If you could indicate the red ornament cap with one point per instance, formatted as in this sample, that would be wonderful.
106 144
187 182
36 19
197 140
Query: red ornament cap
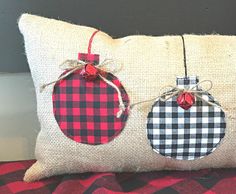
89 72
185 100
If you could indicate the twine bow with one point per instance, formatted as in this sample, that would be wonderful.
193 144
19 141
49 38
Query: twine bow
73 65
175 91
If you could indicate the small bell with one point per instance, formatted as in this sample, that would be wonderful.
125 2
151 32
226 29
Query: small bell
89 72
185 100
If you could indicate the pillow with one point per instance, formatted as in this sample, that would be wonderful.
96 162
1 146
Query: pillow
148 63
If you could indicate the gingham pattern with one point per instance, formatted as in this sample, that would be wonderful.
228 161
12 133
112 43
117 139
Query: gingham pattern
185 134
86 110
217 181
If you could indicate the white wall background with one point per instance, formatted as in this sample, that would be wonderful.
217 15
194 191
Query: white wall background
18 117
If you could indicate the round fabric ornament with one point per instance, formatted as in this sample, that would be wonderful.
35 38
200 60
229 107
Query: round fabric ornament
186 122
90 104
86 109
186 130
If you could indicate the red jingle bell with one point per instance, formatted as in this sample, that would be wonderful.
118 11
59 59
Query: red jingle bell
89 72
185 100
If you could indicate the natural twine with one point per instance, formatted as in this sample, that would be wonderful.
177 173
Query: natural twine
74 65
175 91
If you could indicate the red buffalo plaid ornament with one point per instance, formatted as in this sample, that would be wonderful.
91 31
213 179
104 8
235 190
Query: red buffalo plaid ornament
185 100
90 105
86 111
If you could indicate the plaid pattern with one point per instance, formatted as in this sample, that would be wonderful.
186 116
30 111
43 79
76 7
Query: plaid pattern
216 181
90 58
185 134
86 110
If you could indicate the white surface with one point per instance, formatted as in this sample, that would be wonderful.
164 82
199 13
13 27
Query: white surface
18 117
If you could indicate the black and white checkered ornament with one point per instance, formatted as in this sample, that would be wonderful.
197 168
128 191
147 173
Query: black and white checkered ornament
186 134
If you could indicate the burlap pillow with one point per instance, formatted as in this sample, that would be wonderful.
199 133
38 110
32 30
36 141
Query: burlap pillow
149 63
